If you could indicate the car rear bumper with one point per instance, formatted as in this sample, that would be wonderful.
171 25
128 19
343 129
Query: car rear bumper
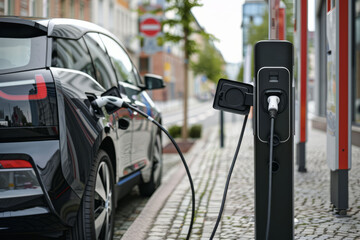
30 221
47 202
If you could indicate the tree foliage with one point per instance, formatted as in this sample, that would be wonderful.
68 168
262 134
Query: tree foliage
240 76
183 19
210 63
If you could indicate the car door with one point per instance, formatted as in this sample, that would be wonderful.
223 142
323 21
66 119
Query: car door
127 77
106 76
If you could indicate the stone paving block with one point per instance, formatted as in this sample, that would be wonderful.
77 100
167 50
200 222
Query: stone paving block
312 208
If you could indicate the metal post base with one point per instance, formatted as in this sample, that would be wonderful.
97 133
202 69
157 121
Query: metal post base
339 191
222 129
301 156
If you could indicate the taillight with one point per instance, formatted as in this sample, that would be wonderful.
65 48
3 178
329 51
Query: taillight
14 164
41 90
18 179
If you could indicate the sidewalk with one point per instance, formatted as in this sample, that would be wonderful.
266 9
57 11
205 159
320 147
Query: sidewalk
170 210
175 104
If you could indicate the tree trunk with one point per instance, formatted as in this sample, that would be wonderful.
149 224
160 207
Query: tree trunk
184 132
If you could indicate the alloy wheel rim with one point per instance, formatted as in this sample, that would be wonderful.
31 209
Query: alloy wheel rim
103 203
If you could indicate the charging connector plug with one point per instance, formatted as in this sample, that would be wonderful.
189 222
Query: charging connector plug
273 105
102 101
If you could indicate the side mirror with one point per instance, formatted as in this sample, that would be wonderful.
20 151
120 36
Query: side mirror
114 91
153 81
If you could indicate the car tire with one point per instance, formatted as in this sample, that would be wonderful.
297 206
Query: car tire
147 189
96 215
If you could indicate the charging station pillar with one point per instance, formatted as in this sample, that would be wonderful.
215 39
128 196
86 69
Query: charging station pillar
300 34
274 75
338 119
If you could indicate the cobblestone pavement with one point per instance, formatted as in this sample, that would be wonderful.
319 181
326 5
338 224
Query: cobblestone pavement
131 205
313 214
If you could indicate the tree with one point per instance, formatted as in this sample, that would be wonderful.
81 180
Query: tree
240 76
210 63
183 18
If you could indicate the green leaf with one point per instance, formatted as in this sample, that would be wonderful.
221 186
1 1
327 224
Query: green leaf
209 63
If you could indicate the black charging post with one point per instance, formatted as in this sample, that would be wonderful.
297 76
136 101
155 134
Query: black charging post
274 76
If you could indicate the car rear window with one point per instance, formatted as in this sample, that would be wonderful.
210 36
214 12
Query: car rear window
18 54
22 47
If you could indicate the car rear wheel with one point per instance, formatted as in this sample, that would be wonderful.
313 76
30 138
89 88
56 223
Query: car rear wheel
96 217
147 189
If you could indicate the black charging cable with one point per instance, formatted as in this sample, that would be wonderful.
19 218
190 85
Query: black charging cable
121 103
273 109
228 178
182 159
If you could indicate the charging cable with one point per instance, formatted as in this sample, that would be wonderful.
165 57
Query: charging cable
102 101
273 109
228 178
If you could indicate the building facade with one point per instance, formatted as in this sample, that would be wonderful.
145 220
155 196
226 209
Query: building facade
121 18
253 12
118 16
78 9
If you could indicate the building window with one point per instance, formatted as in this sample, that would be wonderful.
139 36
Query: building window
63 9
82 10
72 9
24 8
144 65
111 17
100 13
3 7
356 93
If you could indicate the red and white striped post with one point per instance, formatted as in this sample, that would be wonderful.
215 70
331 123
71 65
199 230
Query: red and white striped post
282 21
274 19
301 34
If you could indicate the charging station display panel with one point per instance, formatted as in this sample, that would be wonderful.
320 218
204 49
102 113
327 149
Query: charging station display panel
273 81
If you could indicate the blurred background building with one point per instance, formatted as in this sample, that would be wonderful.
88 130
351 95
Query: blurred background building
78 9
253 12
122 18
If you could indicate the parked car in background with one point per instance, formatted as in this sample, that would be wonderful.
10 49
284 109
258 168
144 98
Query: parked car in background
63 162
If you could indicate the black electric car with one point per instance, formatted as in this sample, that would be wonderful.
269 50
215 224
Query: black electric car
63 162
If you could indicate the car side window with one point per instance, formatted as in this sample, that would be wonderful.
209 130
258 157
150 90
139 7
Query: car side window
104 71
121 61
71 54
140 80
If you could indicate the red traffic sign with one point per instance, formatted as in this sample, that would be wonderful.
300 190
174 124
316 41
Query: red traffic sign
150 27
